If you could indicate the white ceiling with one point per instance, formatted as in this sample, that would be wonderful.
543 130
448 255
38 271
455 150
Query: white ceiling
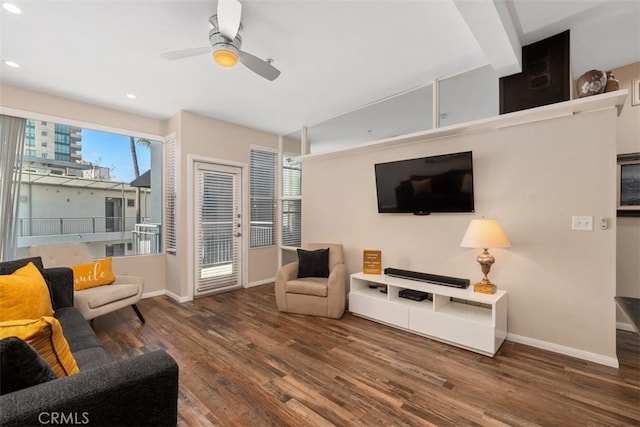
334 55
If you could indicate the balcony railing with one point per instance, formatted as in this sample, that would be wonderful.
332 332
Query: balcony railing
55 226
262 234
217 238
216 243
146 239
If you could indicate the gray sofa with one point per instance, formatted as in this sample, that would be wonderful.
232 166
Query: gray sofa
140 391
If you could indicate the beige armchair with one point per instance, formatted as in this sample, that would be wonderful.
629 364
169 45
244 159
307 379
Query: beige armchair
93 302
317 296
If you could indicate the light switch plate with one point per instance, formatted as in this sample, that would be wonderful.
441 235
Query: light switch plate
582 223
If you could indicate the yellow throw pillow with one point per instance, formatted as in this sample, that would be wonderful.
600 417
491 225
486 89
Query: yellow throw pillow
45 335
93 274
24 295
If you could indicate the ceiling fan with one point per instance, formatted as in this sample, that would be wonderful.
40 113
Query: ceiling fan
225 43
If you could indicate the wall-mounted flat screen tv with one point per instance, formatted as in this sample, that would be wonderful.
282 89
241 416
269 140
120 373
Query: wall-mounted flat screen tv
428 184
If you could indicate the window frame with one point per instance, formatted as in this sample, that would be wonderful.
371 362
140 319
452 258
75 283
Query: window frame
284 199
46 119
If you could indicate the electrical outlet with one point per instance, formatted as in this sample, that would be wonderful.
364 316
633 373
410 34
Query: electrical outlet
582 223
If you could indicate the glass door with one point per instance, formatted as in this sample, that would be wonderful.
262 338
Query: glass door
217 228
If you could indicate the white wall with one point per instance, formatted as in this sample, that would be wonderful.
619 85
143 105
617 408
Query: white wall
58 107
532 178
206 137
151 267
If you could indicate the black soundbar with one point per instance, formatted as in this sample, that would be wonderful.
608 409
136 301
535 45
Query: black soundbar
454 282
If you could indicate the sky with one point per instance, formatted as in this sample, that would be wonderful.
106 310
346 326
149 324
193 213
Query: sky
111 150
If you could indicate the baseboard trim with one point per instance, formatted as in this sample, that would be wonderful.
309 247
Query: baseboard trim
260 282
153 294
567 351
176 297
625 326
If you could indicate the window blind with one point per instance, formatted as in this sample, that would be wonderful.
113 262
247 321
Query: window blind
292 222
263 197
217 243
170 194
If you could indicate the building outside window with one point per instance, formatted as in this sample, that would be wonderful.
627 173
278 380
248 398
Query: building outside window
66 195
30 134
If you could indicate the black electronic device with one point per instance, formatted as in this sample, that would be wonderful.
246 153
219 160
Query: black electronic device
454 282
426 185
415 295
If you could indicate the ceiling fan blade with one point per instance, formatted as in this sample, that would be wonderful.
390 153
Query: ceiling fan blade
229 13
259 66
185 53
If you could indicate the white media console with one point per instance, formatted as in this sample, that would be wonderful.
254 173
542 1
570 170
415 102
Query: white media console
460 317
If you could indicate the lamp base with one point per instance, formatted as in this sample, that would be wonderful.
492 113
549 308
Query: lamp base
485 288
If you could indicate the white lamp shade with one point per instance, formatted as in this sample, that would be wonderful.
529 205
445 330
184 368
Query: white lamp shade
485 233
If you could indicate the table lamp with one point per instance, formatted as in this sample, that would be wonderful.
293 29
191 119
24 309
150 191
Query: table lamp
485 234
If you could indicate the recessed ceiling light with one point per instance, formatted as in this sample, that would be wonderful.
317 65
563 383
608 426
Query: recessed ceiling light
12 64
131 96
10 7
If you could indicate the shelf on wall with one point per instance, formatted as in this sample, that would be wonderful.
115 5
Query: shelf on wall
546 112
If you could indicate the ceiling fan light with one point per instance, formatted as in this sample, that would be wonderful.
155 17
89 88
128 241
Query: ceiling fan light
225 58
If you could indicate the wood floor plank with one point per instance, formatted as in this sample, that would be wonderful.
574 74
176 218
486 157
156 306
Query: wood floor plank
243 363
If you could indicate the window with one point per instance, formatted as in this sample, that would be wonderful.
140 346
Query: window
291 200
63 151
291 222
114 250
83 196
63 129
263 197
44 133
62 138
291 176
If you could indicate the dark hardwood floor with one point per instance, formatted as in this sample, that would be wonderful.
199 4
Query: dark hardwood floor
244 363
